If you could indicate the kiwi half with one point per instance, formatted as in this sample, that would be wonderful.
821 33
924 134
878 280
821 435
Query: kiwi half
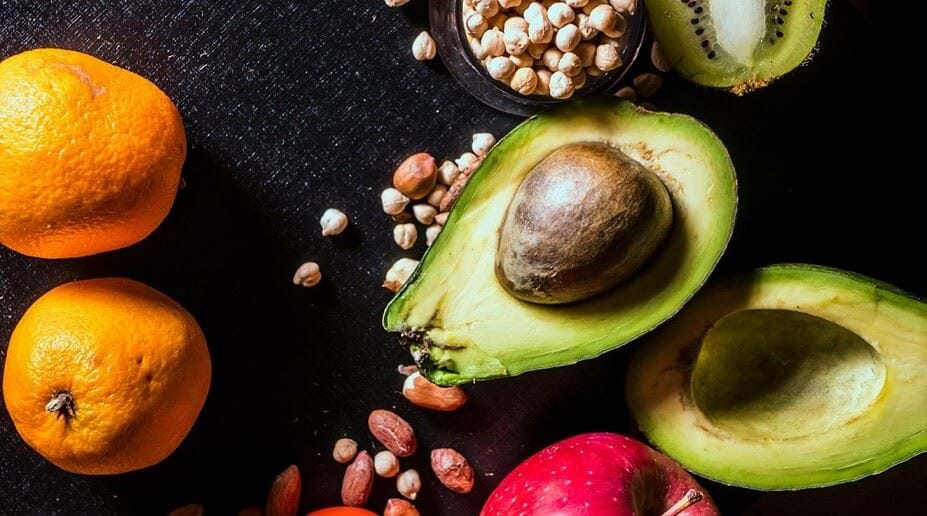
737 44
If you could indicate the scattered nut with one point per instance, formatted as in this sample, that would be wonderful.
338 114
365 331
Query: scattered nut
649 106
452 469
394 202
423 393
393 432
399 273
447 202
447 173
659 59
416 176
434 198
251 510
405 235
467 163
345 450
424 213
396 3
333 222
627 93
283 499
358 481
386 464
399 507
431 233
482 143
647 84
307 275
409 484
423 48
441 218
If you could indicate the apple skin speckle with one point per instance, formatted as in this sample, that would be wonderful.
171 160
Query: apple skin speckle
596 474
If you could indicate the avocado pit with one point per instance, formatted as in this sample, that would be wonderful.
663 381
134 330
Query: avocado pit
584 220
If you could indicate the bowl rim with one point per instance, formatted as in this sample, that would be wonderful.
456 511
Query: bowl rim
445 17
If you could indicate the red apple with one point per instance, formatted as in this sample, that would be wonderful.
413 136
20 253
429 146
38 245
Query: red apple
599 474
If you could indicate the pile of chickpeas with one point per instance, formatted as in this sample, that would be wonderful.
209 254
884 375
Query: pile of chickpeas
547 48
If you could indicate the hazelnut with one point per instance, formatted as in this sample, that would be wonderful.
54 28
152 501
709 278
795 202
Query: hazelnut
434 198
561 86
333 222
345 450
424 213
431 233
399 273
482 143
405 235
386 464
447 173
394 202
416 176
307 275
409 484
423 48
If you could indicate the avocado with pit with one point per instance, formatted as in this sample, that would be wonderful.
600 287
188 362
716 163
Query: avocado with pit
791 377
584 228
741 45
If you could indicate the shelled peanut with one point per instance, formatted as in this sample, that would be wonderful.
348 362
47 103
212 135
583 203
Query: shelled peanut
547 48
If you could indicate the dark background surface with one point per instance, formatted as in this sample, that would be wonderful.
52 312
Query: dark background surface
294 107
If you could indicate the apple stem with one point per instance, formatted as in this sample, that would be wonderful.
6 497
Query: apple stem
691 498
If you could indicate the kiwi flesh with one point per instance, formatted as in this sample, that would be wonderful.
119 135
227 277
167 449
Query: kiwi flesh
741 45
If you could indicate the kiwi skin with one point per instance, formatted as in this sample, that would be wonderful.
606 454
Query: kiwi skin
684 31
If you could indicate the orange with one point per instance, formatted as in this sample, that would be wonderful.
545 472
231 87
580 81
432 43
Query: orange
105 376
90 154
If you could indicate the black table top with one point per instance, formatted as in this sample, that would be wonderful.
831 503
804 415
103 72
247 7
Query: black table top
293 107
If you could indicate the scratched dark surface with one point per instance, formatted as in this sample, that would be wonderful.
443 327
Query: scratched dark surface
294 107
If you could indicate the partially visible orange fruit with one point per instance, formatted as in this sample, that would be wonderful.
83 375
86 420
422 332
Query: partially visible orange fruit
105 376
342 511
90 154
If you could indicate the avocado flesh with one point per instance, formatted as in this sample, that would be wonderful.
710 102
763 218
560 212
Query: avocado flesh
463 326
750 42
793 377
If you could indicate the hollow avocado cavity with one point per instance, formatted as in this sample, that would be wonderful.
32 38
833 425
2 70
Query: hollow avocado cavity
778 374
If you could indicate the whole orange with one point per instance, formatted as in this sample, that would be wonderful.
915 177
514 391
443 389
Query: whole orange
90 154
105 376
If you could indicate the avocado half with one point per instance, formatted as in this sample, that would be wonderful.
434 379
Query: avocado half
737 44
794 376
459 322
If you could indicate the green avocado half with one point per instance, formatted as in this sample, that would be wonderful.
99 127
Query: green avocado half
459 322
791 377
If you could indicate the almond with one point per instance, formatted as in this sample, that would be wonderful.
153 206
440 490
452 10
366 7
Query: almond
416 176
358 481
399 507
452 469
421 392
393 432
447 202
283 499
